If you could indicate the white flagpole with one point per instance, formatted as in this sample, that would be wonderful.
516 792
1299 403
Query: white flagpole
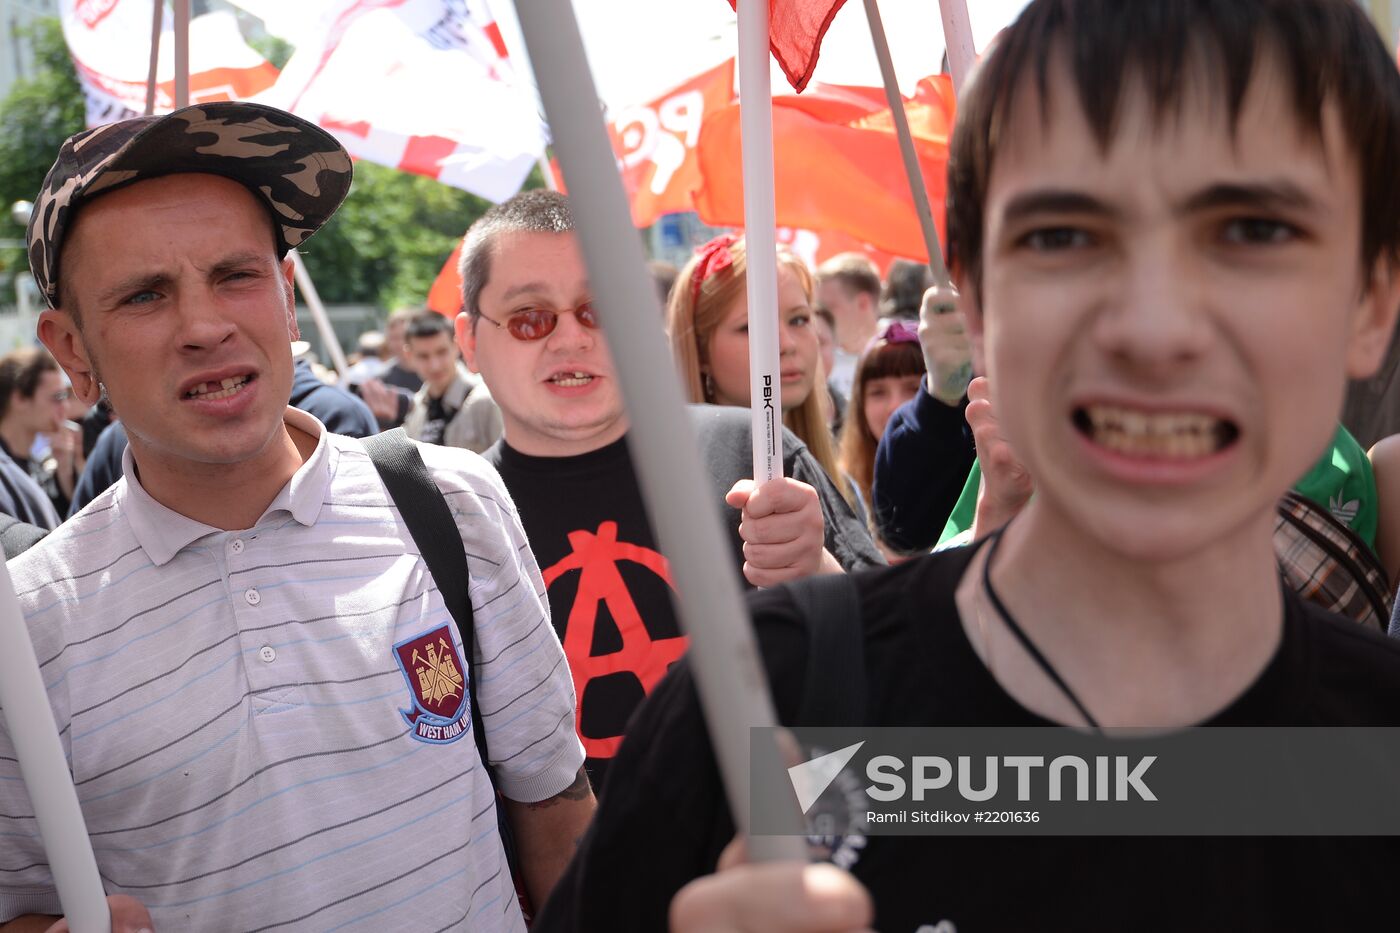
957 38
728 673
182 52
906 146
30 722
157 22
319 315
760 239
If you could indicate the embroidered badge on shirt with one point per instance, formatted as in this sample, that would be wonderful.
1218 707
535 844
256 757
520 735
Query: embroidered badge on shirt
437 678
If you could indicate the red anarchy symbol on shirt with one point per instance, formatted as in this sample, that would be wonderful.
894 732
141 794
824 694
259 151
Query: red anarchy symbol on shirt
597 556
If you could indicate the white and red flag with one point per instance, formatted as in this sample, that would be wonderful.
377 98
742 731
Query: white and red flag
110 41
424 86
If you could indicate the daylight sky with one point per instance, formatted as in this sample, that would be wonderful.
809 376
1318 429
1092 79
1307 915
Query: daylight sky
640 48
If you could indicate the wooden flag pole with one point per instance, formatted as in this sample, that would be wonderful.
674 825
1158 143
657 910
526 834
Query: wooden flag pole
319 315
729 675
182 53
157 23
30 723
912 170
547 171
760 239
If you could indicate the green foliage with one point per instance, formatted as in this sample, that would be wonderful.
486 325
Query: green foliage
37 115
389 239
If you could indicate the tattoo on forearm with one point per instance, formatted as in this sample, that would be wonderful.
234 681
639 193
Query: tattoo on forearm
580 789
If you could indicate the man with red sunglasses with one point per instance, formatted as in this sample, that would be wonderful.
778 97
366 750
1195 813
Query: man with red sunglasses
530 329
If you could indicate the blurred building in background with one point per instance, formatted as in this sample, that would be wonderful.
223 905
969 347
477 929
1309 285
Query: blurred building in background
16 59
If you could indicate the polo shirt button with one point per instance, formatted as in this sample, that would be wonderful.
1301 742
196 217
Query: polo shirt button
237 546
267 653
252 596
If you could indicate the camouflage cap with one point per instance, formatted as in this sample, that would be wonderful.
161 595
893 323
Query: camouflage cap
298 169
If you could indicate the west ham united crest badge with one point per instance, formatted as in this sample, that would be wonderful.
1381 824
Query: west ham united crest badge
437 679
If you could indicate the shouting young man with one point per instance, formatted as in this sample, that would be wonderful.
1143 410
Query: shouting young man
1174 226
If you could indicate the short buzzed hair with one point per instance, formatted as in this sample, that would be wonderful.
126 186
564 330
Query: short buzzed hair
536 211
854 271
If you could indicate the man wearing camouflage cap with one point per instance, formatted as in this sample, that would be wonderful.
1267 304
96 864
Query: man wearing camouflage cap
261 694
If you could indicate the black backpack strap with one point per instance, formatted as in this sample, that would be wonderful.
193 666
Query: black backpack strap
834 690
433 529
424 510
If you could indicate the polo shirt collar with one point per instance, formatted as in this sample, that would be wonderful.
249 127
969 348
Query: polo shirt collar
163 532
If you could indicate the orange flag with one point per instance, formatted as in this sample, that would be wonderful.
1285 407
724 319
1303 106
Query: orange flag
836 168
655 143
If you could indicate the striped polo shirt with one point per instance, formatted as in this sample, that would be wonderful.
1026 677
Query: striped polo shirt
269 729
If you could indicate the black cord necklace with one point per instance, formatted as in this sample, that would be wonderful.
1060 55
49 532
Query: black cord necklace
1021 636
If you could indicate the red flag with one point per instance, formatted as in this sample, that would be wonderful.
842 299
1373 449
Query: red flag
655 144
795 30
836 169
445 297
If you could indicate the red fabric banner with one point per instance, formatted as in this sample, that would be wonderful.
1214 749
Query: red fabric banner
836 168
795 30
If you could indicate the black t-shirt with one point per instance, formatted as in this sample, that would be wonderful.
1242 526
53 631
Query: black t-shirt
665 820
436 423
609 588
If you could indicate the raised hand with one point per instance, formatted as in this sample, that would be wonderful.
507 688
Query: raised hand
947 350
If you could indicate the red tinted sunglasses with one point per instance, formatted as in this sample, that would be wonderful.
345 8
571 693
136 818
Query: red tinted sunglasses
539 323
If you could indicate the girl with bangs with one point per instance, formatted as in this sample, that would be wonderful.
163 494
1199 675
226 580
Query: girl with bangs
887 376
708 323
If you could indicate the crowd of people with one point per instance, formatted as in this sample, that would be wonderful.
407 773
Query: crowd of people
1173 232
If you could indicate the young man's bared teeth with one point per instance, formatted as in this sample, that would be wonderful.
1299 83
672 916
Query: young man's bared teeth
1176 436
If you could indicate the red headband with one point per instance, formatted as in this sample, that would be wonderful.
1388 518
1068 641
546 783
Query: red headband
713 257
